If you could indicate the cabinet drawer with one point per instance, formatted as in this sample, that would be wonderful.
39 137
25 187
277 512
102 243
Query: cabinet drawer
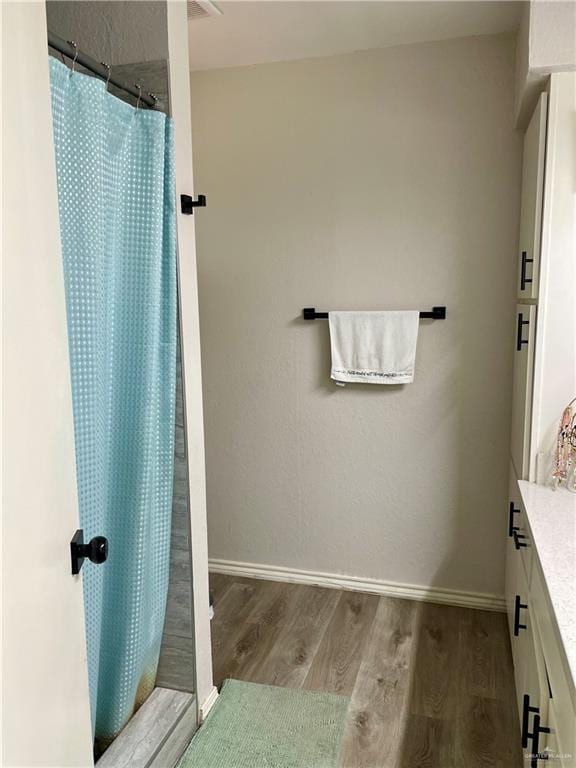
561 751
535 688
518 621
522 389
562 703
518 529
531 202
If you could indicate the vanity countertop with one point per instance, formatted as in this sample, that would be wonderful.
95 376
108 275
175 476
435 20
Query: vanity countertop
552 519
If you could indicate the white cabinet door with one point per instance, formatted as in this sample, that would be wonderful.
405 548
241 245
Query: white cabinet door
46 713
517 604
531 206
535 691
512 555
522 391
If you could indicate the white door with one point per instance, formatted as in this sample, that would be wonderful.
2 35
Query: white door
46 710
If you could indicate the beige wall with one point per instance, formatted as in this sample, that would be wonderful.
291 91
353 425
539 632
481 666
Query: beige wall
381 179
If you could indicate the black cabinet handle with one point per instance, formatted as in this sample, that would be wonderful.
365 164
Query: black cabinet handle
519 542
523 279
537 729
96 550
526 711
520 325
511 527
518 606
535 736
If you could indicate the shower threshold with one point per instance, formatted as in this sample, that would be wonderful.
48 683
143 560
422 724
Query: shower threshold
157 735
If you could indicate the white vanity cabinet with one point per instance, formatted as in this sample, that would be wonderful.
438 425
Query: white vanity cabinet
545 689
541 523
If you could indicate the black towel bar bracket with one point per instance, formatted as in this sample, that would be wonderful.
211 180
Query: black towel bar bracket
309 313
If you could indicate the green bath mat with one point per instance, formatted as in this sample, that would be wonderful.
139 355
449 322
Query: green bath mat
263 726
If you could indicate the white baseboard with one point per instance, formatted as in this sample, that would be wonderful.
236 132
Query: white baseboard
209 702
480 600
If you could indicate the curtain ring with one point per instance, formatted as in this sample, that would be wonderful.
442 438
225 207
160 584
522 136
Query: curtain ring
73 44
153 96
139 86
108 68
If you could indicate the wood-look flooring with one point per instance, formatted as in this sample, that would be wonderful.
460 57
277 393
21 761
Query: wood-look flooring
430 686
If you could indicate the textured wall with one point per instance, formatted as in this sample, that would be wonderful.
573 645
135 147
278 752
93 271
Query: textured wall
115 31
382 179
545 43
553 36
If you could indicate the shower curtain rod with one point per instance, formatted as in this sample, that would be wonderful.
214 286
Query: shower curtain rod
69 50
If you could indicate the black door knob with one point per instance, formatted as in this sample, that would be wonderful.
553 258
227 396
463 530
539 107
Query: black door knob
96 550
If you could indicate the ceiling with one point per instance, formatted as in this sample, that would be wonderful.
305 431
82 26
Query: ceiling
278 30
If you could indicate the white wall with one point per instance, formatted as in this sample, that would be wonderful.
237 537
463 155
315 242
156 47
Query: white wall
546 43
381 179
552 35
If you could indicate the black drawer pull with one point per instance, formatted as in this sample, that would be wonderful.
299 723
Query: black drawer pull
523 279
526 711
535 736
519 542
518 606
511 527
519 340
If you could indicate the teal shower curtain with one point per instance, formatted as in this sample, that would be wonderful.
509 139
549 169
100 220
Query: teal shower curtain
117 223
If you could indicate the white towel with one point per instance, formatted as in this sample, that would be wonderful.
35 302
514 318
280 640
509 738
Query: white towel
373 347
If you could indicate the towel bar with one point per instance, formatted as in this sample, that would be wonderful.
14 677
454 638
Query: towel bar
309 313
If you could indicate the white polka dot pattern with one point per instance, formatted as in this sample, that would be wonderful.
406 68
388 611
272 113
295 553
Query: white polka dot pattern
117 223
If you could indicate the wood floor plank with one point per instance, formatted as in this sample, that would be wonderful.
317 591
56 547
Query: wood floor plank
485 655
251 641
506 686
229 621
380 696
483 735
338 658
290 657
264 626
427 743
430 685
436 649
219 584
